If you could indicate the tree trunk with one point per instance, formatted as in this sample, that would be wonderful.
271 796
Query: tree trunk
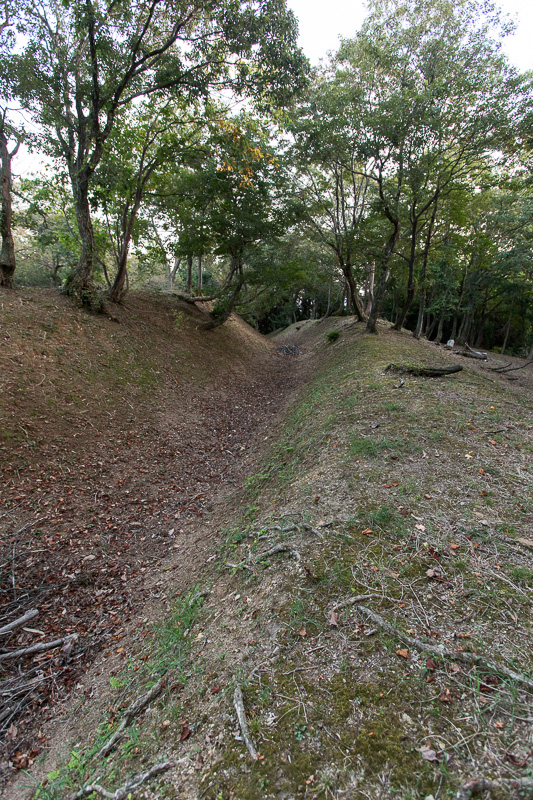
188 287
410 280
369 288
440 329
355 300
200 275
379 293
506 339
223 312
80 284
173 272
7 254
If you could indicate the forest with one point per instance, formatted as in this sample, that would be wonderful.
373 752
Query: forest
189 147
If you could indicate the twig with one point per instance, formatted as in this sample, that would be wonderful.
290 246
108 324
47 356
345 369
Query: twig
133 711
467 658
20 621
241 565
278 548
357 599
24 528
476 786
238 702
42 647
133 783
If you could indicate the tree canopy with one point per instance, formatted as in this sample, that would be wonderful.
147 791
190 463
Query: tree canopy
395 180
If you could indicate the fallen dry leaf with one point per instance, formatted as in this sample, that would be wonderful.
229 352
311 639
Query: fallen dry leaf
428 754
185 733
333 618
403 652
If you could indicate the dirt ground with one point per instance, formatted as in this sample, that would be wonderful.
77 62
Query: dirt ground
119 438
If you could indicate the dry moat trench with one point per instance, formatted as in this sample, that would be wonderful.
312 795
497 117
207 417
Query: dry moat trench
410 501
121 441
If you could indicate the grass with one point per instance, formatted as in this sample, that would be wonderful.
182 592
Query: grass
166 654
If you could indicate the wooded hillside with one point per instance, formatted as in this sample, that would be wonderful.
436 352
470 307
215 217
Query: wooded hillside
393 181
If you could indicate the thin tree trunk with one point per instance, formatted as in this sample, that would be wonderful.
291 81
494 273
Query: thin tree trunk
173 272
219 317
200 274
369 289
379 293
506 339
7 254
440 329
188 288
410 281
355 300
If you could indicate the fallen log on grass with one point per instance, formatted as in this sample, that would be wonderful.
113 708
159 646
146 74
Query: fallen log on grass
424 372
469 352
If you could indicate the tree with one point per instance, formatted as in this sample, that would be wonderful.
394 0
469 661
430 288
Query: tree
148 137
81 62
7 253
410 106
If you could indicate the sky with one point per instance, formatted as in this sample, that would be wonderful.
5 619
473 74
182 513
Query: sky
322 21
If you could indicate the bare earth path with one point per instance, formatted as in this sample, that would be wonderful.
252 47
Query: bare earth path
106 488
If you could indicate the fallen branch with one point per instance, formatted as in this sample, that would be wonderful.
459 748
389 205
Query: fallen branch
130 786
278 548
20 621
423 372
468 352
509 368
133 711
455 655
238 702
42 647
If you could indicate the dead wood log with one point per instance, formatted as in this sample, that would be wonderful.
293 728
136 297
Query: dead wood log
42 647
238 702
469 352
133 711
444 652
20 621
130 786
424 372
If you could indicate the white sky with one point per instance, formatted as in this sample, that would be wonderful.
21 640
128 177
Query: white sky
322 21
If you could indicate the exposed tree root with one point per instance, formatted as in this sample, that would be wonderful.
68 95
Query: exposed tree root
238 702
278 548
455 655
133 711
130 786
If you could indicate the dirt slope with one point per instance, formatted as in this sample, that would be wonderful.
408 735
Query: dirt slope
368 587
117 436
